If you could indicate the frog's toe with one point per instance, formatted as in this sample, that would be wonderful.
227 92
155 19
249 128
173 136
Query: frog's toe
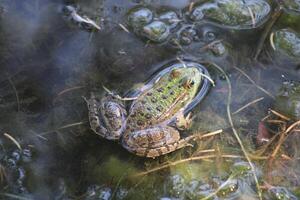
183 122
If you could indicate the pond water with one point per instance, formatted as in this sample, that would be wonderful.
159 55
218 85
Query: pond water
54 52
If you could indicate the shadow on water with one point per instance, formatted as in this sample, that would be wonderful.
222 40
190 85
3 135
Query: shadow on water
48 63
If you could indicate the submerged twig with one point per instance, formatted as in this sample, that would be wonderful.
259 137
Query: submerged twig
211 134
206 151
63 127
66 91
291 127
70 89
13 140
272 41
252 16
267 30
2 174
282 138
280 115
14 196
15 91
124 28
191 6
247 105
183 161
253 82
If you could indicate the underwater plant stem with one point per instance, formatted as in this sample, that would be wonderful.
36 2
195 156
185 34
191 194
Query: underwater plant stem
252 16
218 189
211 134
63 127
70 89
185 160
13 140
247 105
282 139
280 115
13 196
3 175
16 92
228 109
124 28
274 17
272 41
253 82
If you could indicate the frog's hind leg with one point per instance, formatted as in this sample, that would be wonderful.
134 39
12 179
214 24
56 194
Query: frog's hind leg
155 141
111 126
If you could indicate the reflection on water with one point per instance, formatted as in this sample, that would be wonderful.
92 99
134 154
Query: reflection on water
48 63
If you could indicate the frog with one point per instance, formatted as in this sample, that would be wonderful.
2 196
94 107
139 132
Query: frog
159 110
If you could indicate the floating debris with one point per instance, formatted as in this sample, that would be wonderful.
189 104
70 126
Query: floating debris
82 21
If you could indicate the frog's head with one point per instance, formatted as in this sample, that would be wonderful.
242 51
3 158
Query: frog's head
188 77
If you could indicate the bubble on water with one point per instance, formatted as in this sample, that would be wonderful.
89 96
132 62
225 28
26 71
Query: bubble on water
26 155
11 163
16 155
217 48
197 190
156 31
96 192
209 36
170 18
281 193
121 193
139 17
176 186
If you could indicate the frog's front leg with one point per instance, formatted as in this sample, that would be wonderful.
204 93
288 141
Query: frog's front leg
106 116
183 122
155 141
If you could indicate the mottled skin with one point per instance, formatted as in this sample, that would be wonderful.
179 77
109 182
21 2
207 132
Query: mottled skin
151 127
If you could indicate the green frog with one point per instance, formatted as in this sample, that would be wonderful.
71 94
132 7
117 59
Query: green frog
151 126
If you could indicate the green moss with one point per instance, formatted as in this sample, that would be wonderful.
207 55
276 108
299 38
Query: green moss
288 101
292 5
233 13
287 42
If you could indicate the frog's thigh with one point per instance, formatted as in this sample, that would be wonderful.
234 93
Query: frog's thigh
154 137
106 117
154 142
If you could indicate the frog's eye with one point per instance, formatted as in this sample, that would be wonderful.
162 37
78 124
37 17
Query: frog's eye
188 84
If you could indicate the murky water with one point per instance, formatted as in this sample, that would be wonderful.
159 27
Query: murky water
48 63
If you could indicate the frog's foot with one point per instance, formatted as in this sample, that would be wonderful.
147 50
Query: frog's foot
183 122
106 117
155 141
